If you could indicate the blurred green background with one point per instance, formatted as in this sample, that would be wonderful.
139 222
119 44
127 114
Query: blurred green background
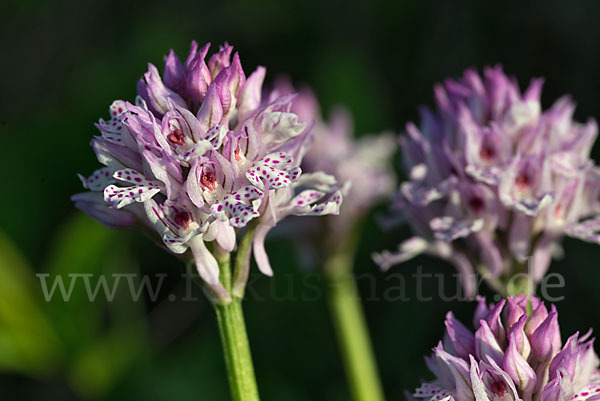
62 64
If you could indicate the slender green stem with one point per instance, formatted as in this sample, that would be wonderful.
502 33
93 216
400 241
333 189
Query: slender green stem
517 281
236 348
493 282
241 268
238 359
351 326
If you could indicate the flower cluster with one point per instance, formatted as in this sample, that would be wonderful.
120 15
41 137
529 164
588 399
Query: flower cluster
494 182
363 164
516 353
200 155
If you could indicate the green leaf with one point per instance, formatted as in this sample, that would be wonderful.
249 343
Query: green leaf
82 246
104 335
28 342
102 363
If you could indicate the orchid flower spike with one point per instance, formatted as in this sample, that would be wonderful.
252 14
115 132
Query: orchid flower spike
363 164
199 156
493 182
515 353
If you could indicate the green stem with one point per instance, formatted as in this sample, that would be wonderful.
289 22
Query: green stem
236 348
521 284
493 282
242 262
238 359
351 327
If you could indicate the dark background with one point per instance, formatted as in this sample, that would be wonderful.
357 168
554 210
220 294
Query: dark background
62 64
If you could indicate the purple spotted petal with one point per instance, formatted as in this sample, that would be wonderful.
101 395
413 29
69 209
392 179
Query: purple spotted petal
308 204
273 171
120 197
98 180
239 207
114 129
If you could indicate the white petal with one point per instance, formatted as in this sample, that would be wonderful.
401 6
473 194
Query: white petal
406 251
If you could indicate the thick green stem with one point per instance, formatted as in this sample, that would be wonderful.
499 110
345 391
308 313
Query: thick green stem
236 348
238 359
351 327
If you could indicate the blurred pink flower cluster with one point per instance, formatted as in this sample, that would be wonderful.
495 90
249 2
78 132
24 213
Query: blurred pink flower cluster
494 182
